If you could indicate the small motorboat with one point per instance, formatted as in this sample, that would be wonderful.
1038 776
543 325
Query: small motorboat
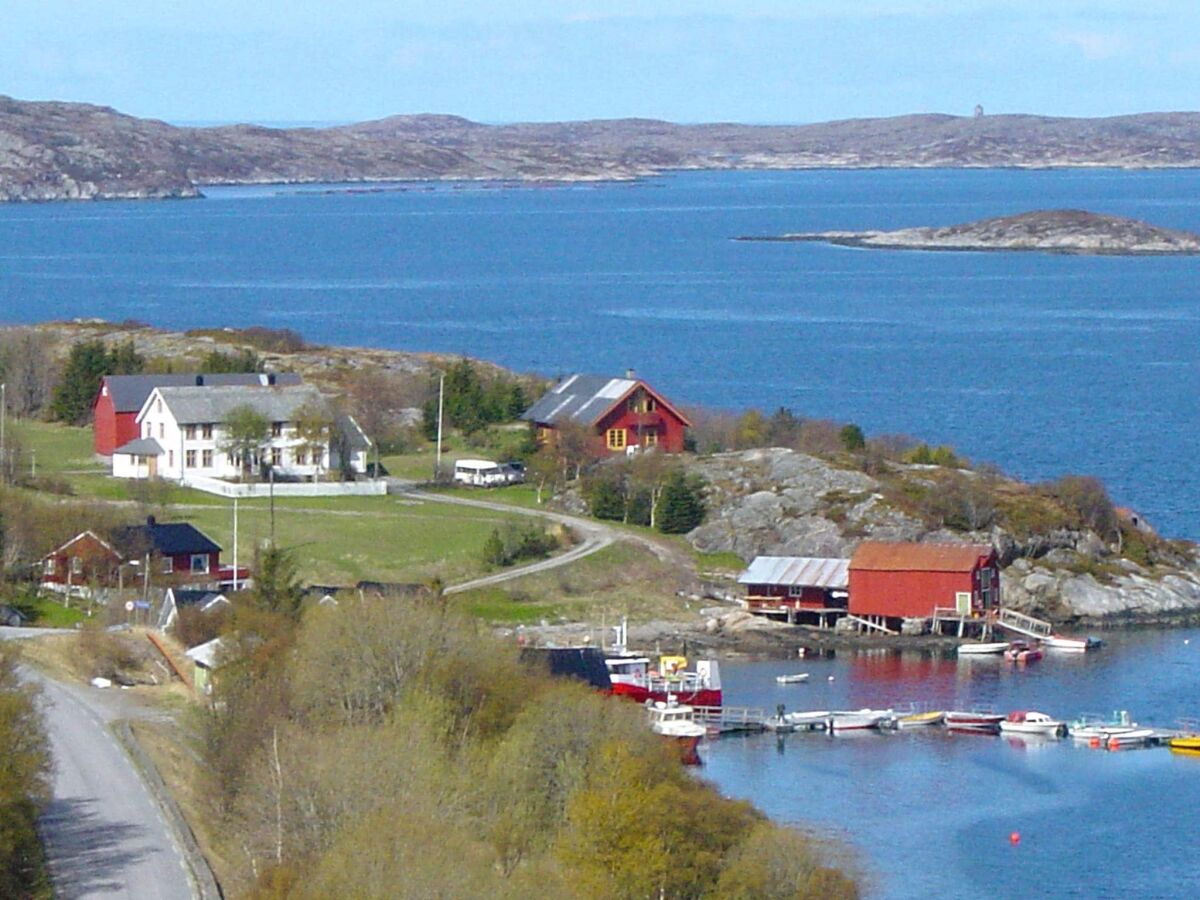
1134 737
989 648
814 720
984 721
919 719
798 678
676 723
1185 745
1022 722
858 719
1096 730
1072 645
1022 652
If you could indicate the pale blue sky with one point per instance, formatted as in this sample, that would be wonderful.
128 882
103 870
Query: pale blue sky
703 60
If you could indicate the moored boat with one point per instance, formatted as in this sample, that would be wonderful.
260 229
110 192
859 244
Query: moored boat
813 720
1072 645
1134 737
676 723
858 719
974 720
1186 745
989 648
634 678
1030 722
798 678
920 719
1022 652
1091 728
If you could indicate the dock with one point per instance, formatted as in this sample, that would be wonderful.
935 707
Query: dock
731 719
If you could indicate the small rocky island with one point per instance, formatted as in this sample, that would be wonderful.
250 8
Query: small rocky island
1048 231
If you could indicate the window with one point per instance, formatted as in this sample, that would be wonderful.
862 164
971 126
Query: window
318 457
650 404
190 459
276 429
650 438
171 458
168 565
302 457
190 432
162 430
206 431
276 456
206 459
158 405
795 590
616 439
200 563
50 566
145 429
76 565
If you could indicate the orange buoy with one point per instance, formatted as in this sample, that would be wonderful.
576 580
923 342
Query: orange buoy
1014 838
1094 742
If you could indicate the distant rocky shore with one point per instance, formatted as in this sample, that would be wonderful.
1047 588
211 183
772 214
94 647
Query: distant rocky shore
1048 231
75 151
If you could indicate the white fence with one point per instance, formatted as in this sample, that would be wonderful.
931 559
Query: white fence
375 488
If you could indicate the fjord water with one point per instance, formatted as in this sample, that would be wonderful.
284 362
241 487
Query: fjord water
1042 364
929 813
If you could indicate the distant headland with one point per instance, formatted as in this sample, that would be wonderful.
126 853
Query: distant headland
1048 231
75 151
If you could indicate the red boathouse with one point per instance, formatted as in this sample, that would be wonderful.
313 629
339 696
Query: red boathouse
623 414
903 581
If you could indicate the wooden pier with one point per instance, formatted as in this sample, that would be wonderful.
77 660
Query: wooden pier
730 719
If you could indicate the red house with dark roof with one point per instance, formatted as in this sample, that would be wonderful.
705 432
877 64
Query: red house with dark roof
624 414
121 398
902 580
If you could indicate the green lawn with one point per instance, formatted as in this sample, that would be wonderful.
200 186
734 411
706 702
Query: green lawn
49 612
56 449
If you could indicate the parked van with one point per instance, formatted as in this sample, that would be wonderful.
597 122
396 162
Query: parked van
485 473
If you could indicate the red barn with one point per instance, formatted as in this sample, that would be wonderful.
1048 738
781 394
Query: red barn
621 413
898 581
121 397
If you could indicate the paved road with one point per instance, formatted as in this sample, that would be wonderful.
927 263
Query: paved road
105 835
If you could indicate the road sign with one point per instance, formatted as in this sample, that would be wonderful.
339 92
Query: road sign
141 604
128 606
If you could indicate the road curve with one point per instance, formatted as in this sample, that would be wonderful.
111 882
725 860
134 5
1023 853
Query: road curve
105 835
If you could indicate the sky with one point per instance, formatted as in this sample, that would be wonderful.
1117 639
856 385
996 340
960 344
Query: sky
273 61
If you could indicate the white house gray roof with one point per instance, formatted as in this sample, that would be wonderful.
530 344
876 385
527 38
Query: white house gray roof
140 447
805 571
356 438
129 392
580 398
198 405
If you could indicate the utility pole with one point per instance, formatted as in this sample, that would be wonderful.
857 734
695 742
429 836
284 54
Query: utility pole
3 446
272 506
437 465
235 542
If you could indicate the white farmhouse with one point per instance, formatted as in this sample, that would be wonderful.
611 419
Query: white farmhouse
183 433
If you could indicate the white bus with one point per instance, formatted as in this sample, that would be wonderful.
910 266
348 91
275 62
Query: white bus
485 473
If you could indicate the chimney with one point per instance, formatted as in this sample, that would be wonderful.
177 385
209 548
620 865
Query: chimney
630 374
151 521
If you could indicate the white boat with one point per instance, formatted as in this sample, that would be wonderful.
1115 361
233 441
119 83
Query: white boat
982 649
676 723
1135 737
974 720
1089 728
858 719
814 720
1071 645
798 678
1022 722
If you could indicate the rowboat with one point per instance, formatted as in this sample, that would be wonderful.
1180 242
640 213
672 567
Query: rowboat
792 679
1188 745
1097 730
920 719
1022 652
815 720
991 648
1072 645
1134 737
1021 722
857 719
974 720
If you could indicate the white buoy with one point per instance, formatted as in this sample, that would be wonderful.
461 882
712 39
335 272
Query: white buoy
831 678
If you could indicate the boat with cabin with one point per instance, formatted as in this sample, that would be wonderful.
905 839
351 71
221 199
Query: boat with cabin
676 722
1030 722
637 678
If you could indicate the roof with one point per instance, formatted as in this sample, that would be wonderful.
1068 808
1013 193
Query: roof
129 392
206 654
169 539
806 571
140 447
89 533
880 556
356 438
200 405
197 598
586 398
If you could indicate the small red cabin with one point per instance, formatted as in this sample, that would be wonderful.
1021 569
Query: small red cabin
786 585
623 414
84 561
901 580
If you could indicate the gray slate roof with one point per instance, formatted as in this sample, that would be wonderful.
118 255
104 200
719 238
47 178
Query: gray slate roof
805 571
198 405
129 392
140 447
579 398
356 438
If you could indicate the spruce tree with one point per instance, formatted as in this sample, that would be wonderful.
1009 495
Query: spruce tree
681 505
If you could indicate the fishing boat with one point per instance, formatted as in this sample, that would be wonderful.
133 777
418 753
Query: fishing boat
858 719
989 648
984 721
798 678
676 723
1072 645
637 678
1022 652
1022 722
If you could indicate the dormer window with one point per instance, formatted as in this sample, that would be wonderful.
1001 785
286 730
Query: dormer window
276 429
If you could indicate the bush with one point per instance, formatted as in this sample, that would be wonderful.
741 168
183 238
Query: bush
24 784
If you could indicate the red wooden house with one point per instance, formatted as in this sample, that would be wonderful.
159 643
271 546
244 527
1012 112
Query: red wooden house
900 580
176 549
121 397
798 587
623 414
84 561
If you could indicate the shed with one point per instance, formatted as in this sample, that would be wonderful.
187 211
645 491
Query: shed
907 580
789 584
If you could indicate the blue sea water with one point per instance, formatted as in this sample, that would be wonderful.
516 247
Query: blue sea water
1042 364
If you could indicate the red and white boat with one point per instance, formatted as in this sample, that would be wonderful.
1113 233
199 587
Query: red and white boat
1038 723
1022 652
677 724
635 678
974 720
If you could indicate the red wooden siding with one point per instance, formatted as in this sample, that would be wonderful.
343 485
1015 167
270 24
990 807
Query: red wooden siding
778 596
97 563
909 581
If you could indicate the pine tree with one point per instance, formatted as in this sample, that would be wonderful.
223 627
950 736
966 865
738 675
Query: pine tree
87 363
493 550
681 505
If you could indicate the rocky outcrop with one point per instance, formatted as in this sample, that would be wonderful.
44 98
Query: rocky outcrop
63 151
1048 231
780 502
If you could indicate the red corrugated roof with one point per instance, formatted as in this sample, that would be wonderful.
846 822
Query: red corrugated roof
880 556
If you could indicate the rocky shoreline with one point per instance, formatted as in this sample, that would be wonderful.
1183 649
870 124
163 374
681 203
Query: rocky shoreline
1075 232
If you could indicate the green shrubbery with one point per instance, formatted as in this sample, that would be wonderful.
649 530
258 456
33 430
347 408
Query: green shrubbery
24 784
514 543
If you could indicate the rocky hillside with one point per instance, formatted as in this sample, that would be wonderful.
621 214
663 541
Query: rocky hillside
65 151
1049 231
780 502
